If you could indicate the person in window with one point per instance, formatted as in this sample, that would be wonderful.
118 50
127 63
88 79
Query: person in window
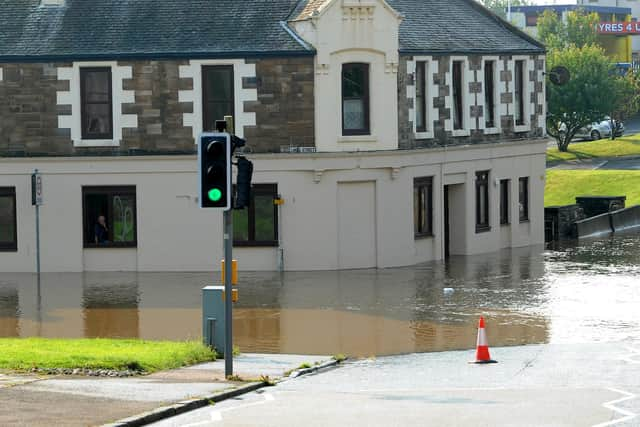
100 230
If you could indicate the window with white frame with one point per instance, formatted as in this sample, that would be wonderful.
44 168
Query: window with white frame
421 110
96 103
459 100
96 96
490 111
519 93
217 94
218 90
457 87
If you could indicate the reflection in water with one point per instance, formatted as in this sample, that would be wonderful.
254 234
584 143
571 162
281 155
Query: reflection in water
110 310
9 312
578 292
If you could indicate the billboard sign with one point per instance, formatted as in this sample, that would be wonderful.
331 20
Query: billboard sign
618 28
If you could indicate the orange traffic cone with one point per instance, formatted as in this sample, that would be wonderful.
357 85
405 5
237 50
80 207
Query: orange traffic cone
482 347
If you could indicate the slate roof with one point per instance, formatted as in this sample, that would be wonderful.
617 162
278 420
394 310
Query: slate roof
305 9
137 29
95 29
458 26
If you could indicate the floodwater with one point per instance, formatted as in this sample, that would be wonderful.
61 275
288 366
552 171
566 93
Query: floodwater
580 292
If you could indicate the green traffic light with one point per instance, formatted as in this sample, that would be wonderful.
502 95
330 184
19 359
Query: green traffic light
215 195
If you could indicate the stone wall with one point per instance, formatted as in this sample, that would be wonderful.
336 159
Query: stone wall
475 90
285 106
160 128
560 221
29 111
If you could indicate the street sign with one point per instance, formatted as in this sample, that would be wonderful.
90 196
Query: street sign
37 198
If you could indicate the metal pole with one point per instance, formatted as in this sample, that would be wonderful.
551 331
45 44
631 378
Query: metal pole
228 292
37 232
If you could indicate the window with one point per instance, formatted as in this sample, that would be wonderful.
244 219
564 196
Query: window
421 96
489 94
458 122
96 103
257 225
423 207
524 199
109 216
355 99
532 20
519 93
504 201
8 225
217 94
482 201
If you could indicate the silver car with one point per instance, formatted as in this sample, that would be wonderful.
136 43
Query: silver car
597 130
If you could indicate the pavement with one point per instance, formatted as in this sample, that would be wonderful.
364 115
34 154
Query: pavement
31 400
595 384
611 163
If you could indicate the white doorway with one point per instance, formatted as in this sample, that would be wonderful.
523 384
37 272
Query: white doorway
357 225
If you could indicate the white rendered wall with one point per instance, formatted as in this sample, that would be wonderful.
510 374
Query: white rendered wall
175 235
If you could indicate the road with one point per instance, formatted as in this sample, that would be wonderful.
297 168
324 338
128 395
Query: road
556 385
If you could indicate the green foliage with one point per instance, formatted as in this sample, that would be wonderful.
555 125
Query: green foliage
235 378
563 186
586 98
339 357
25 353
627 98
578 30
266 380
499 7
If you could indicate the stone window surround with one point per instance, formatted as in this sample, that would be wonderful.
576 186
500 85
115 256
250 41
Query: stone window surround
498 88
542 100
467 77
71 97
528 89
0 74
241 71
431 91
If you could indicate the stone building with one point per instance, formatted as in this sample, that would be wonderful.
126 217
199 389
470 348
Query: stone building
395 132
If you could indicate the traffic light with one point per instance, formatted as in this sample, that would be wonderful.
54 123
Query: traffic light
243 183
214 159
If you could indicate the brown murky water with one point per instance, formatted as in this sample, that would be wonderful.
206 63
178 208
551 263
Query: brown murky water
580 292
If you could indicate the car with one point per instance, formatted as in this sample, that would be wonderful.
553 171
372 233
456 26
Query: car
598 130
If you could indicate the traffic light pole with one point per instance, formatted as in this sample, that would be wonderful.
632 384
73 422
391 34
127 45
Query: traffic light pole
228 292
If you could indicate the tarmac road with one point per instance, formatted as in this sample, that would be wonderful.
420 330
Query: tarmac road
539 385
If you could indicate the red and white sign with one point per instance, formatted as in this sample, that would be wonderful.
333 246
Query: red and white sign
618 27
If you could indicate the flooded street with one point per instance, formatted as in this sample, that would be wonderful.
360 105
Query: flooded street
577 293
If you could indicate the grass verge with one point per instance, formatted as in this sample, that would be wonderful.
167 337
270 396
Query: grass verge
623 146
562 186
21 354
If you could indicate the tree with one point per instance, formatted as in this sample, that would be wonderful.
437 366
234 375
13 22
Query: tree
588 96
579 29
627 97
499 7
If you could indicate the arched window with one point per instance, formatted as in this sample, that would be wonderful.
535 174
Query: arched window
355 99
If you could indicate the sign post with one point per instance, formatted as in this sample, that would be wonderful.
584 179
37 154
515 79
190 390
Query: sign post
36 200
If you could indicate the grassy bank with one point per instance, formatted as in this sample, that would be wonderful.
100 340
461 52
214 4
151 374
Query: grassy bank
624 146
563 186
149 356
